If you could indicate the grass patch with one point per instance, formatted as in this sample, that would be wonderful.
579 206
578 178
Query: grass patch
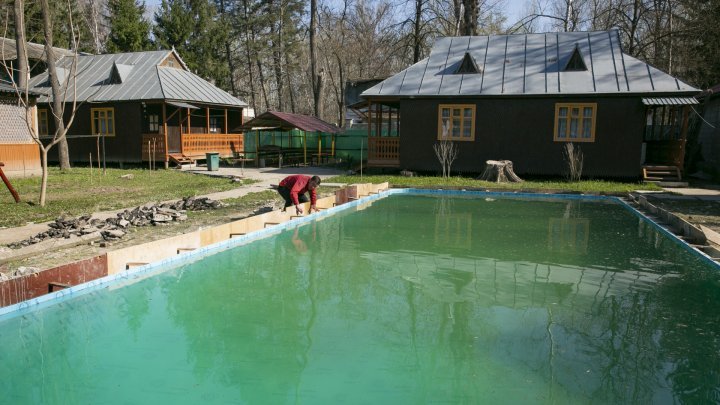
585 186
76 192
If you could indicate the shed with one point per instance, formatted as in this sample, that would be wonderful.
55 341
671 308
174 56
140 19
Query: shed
286 148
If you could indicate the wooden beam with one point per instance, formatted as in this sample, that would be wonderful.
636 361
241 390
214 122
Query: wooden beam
9 186
167 148
207 120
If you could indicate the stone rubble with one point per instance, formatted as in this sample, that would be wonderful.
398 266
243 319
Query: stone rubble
116 228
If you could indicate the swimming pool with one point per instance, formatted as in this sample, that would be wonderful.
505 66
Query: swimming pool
415 298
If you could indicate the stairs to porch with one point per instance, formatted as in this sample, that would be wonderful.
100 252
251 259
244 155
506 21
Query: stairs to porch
180 159
663 175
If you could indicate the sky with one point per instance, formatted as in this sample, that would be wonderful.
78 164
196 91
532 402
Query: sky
513 8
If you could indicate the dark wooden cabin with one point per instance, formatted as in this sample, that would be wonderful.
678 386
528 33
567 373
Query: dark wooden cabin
143 106
522 98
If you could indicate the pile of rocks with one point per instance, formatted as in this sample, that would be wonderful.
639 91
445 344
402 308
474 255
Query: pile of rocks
116 228
19 272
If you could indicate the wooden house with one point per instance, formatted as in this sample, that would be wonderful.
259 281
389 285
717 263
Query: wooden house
522 98
142 106
19 152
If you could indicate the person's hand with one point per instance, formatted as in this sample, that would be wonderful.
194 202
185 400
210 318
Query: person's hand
299 210
313 208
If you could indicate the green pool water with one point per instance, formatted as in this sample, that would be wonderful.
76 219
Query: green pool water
412 300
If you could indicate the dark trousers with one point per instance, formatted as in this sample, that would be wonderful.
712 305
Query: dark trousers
285 193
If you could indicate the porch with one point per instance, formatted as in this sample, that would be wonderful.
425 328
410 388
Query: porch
183 133
192 147
666 130
383 129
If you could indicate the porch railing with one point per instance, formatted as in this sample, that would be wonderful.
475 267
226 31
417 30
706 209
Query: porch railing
224 144
383 151
153 146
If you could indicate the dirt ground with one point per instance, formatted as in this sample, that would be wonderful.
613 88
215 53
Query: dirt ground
696 212
135 236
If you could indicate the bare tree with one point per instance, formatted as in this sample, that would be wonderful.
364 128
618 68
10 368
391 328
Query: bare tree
573 157
446 152
57 106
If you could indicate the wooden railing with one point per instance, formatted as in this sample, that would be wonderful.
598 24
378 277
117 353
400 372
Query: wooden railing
153 145
224 144
383 151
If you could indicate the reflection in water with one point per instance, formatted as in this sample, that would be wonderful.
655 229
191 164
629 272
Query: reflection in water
397 303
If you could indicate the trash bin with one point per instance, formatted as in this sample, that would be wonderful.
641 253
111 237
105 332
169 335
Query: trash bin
213 161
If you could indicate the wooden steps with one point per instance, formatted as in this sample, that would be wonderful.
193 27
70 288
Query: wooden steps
661 173
180 159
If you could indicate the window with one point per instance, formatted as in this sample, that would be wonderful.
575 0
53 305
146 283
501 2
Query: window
153 121
575 122
103 121
214 125
576 62
456 122
467 65
43 127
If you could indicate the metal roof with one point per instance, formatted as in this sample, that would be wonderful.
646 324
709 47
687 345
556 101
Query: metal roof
670 100
134 76
6 88
288 121
34 51
530 64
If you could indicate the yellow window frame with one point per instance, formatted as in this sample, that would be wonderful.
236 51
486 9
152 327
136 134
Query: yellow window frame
455 122
43 123
100 116
563 130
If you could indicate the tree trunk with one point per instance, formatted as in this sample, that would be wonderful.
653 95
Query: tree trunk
416 31
499 171
316 78
57 104
43 182
250 40
20 45
470 17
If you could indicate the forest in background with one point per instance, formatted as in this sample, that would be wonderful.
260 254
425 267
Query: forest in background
298 56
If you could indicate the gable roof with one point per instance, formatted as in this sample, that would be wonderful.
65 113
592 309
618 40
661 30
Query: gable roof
530 64
287 121
10 89
135 76
34 51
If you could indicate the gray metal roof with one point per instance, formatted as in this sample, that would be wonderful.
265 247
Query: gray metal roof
529 64
7 88
134 76
34 51
670 101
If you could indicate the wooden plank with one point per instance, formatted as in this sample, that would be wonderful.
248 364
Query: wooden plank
20 159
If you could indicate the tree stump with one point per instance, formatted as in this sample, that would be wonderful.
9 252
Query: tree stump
499 171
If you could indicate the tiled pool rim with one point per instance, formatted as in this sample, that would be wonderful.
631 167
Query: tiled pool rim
137 273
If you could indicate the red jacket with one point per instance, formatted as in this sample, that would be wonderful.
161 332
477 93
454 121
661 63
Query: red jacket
298 184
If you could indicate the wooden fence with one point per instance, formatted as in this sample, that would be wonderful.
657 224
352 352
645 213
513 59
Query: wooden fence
383 151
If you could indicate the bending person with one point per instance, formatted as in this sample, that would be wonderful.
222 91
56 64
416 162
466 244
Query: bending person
294 188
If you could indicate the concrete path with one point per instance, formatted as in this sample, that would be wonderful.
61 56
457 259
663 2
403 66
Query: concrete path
266 177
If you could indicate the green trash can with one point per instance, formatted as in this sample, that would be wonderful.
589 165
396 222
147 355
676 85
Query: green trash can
213 161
